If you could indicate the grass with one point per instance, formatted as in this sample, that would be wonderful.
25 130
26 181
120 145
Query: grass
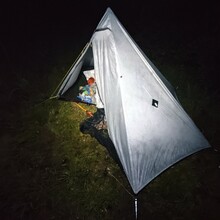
50 170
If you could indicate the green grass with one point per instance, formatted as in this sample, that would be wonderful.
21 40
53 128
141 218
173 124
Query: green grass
50 170
56 170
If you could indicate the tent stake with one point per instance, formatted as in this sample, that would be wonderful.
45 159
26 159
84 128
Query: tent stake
136 207
134 196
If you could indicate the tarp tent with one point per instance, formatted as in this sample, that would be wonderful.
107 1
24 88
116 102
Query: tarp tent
147 124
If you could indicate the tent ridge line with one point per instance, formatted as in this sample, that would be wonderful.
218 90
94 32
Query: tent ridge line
140 53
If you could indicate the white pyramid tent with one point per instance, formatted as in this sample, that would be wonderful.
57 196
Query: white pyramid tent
148 126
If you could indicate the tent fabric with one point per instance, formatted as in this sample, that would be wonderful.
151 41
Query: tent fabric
147 125
84 57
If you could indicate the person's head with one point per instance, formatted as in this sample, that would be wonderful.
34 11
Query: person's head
91 80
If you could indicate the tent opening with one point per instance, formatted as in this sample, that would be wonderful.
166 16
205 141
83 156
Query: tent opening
70 90
78 88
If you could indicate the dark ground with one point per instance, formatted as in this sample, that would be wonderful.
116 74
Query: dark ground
39 41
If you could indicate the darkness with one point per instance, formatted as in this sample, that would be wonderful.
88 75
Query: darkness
26 25
36 36
42 18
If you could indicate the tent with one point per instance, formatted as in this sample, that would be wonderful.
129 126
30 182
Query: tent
147 124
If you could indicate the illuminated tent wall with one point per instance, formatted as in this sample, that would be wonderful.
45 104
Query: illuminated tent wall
148 126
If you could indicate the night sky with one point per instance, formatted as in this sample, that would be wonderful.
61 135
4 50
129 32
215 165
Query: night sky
32 32
25 23
40 18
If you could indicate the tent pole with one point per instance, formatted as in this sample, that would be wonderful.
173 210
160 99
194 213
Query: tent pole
88 113
53 94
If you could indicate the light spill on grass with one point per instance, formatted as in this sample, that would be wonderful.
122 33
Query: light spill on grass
84 161
56 172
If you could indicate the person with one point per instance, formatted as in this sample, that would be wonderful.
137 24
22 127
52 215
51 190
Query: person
96 126
87 93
